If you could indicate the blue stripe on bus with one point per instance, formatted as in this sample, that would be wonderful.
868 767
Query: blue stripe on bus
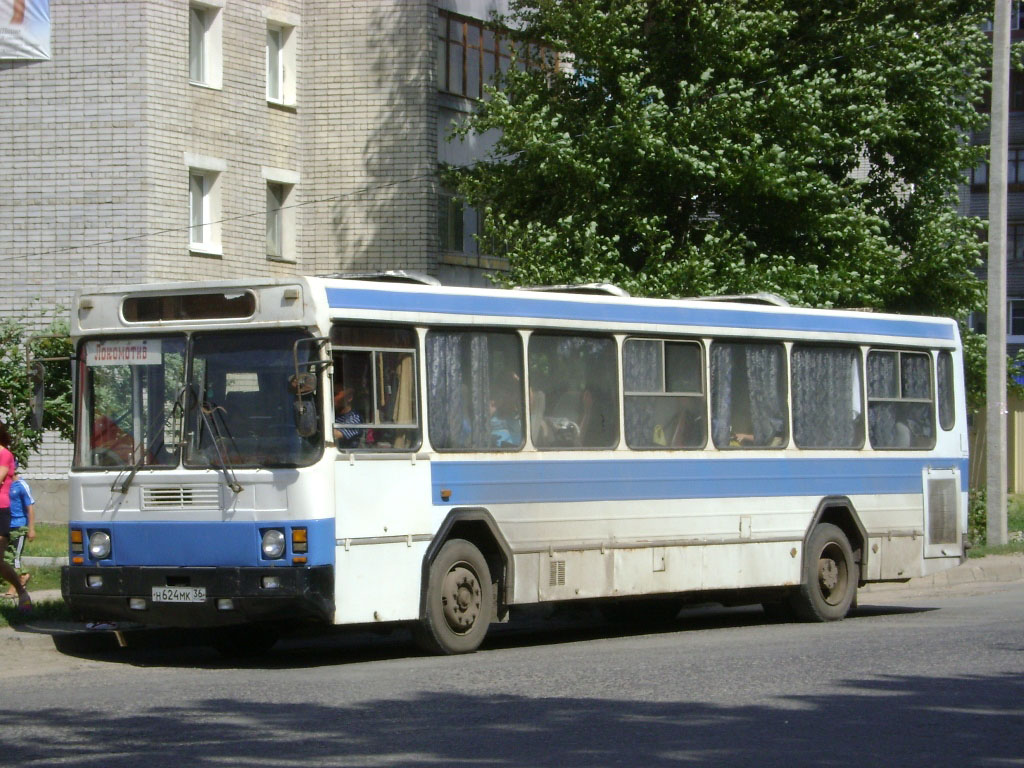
520 306
529 481
202 544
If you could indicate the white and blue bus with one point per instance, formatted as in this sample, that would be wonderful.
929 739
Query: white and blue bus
252 454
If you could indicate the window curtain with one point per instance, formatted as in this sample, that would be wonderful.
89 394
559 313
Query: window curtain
826 398
764 378
458 390
641 372
721 394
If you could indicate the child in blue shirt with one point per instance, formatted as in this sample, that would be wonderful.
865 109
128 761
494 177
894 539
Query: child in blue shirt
23 526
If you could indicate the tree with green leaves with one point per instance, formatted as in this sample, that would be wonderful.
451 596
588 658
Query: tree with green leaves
17 384
700 147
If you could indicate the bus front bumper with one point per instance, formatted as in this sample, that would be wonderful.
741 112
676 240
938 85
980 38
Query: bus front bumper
199 597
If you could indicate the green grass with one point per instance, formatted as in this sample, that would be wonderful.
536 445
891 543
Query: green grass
51 541
1014 522
1015 512
47 610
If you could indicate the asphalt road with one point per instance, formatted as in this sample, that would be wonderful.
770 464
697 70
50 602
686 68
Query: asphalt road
914 679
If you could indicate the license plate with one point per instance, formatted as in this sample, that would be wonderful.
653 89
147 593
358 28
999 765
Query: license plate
179 594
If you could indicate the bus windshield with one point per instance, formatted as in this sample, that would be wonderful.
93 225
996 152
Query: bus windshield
236 408
241 411
130 401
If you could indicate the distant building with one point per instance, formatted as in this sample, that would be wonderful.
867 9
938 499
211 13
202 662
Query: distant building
974 202
192 139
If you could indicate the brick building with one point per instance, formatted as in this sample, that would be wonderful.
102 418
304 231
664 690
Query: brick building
192 139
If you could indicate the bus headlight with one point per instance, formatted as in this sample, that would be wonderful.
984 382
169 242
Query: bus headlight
99 545
273 544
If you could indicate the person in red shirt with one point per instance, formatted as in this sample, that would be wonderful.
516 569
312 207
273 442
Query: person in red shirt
7 468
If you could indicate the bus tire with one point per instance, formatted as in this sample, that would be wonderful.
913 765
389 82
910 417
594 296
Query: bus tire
459 601
830 576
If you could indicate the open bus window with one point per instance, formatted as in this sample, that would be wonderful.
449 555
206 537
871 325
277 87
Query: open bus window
901 407
574 393
129 391
375 389
475 390
827 407
748 395
241 409
664 397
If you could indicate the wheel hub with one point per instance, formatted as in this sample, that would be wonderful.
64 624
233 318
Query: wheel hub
828 573
461 598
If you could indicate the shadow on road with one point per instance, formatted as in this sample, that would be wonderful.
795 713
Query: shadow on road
529 627
897 720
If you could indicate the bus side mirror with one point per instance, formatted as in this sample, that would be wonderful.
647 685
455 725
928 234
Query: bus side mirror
38 378
305 418
304 384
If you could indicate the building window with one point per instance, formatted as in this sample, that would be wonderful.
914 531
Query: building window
1015 317
204 211
275 202
1015 16
457 224
204 45
1015 241
280 213
280 63
1014 169
979 175
470 54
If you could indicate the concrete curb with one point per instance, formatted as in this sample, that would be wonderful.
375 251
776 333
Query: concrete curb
993 568
44 562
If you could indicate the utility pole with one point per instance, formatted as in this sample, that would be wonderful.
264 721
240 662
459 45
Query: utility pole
996 410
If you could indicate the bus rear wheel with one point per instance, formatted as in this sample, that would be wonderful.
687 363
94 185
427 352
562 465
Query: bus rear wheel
460 601
830 576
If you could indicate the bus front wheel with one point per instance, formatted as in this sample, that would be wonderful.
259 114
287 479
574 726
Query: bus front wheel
460 600
830 576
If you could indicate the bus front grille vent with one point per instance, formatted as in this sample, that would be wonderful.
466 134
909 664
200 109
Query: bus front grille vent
942 511
557 573
177 496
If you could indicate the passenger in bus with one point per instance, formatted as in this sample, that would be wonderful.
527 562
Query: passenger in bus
345 414
597 420
540 429
505 423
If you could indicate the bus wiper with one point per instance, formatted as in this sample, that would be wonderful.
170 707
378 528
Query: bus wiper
178 407
209 416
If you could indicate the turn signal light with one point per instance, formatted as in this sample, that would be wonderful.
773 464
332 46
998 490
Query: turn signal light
300 543
77 541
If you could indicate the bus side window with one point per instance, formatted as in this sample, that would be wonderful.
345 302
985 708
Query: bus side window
578 377
664 397
748 395
827 400
475 390
900 401
944 385
375 402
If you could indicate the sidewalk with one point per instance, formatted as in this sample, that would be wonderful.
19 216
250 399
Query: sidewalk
993 568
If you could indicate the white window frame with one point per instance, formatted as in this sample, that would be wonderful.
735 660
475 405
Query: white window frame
281 42
1010 337
284 181
205 36
204 204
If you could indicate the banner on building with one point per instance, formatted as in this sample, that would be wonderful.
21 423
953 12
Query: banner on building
24 30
